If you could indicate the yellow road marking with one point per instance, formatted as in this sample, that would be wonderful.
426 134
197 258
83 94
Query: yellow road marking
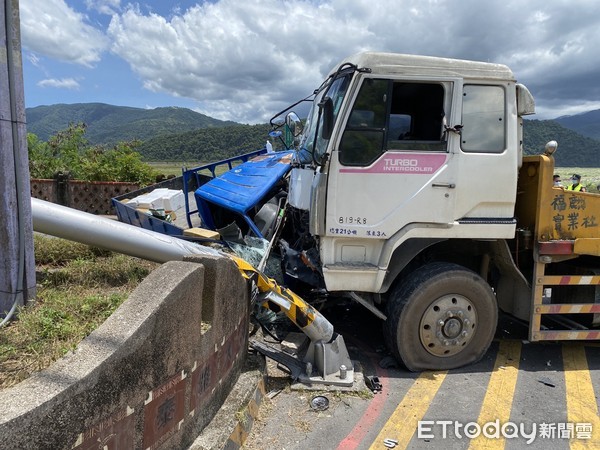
497 403
581 400
402 424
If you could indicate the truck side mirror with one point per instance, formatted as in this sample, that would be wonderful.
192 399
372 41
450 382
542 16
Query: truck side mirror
326 107
294 124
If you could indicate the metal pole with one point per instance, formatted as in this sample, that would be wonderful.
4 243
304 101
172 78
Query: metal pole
17 267
79 226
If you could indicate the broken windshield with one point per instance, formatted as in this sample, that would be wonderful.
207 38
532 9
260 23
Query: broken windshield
336 90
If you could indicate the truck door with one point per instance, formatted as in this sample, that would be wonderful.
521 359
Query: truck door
410 161
393 166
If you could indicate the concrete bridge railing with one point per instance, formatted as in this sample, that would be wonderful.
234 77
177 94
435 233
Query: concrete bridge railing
152 376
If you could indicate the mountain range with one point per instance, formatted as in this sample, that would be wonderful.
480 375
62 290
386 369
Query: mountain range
109 124
586 124
177 134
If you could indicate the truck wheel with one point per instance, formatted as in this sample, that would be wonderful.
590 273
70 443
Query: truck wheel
442 316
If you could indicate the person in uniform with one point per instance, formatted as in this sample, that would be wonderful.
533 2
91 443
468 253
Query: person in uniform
576 184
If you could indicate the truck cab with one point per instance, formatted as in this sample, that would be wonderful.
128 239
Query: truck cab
421 150
412 178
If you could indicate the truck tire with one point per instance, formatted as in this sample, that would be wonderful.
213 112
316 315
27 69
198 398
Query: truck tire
442 316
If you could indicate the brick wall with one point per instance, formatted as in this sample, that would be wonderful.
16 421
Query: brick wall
89 196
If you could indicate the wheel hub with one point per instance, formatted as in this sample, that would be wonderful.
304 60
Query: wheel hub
452 328
448 325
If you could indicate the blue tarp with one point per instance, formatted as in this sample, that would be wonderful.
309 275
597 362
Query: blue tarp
244 186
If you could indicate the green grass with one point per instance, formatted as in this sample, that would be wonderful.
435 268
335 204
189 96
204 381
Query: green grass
78 288
171 168
174 168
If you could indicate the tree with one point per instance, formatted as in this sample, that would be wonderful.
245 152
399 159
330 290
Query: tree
69 151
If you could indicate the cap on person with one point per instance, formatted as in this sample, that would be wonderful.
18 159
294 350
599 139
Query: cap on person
576 177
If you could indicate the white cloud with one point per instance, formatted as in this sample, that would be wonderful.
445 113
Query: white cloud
108 7
552 110
34 59
64 83
239 60
246 60
52 28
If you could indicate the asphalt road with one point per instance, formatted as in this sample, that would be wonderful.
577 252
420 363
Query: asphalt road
520 395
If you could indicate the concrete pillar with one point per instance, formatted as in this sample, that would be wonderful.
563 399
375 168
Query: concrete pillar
17 264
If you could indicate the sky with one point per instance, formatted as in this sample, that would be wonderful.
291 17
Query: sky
246 60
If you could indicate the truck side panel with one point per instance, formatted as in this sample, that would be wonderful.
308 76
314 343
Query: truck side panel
565 268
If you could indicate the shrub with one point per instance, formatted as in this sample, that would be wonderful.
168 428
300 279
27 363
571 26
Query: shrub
69 151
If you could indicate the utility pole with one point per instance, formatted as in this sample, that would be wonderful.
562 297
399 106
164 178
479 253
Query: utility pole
17 263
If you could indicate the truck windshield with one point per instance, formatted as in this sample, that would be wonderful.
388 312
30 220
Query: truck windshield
336 90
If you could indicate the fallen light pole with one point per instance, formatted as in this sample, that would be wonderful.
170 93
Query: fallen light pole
327 353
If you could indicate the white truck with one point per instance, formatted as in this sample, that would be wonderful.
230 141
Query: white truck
406 190
415 163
